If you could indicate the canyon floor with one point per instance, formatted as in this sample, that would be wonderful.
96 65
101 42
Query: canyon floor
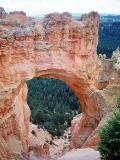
60 145
60 150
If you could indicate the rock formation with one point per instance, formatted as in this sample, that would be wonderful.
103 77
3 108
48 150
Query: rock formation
2 13
81 154
60 47
39 141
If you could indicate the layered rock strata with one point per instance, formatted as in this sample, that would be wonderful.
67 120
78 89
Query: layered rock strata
57 46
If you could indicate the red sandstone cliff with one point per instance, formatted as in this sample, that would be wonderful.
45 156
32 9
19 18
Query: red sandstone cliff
57 46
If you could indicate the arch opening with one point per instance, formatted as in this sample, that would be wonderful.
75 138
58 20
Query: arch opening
53 104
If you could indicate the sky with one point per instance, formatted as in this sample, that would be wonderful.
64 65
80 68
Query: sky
36 7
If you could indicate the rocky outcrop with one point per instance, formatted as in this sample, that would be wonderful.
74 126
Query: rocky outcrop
2 13
81 154
14 124
39 142
57 46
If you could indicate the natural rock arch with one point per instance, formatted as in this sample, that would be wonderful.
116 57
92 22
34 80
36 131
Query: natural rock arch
57 46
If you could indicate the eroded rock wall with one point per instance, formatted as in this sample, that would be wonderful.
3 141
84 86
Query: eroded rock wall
14 124
57 46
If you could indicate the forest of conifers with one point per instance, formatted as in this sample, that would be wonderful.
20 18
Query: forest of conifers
53 104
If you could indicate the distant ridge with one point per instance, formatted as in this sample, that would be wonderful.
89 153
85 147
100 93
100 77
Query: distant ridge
104 16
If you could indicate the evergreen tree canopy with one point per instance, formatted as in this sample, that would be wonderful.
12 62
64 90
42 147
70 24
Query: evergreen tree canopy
109 145
53 104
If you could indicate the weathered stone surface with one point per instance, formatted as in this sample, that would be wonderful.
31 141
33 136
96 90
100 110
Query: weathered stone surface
39 141
57 46
2 12
14 124
81 154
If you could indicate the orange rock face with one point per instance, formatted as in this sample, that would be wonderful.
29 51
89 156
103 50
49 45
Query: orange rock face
57 46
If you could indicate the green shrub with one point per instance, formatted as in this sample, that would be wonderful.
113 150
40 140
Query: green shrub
109 145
